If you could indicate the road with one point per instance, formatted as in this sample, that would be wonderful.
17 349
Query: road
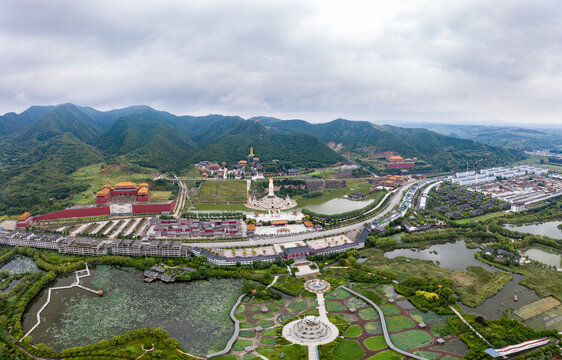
182 197
394 201
383 325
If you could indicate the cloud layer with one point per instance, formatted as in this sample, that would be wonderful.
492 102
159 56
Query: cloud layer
430 60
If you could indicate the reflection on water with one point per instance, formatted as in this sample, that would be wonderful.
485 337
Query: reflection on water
336 206
196 313
452 256
544 257
549 229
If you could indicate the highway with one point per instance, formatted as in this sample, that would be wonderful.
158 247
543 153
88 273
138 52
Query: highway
394 202
182 197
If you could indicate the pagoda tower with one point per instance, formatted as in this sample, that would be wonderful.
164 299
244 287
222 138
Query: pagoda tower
251 154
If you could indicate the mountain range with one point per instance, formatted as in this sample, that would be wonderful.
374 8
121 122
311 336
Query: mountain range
41 146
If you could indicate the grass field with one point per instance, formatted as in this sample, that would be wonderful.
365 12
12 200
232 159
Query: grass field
221 192
480 218
349 349
386 355
375 343
353 331
395 323
411 339
160 196
98 175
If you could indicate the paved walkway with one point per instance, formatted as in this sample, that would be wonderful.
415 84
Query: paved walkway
236 330
383 325
79 275
470 326
273 282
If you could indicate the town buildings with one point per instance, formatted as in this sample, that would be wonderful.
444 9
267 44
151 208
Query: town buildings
487 175
195 228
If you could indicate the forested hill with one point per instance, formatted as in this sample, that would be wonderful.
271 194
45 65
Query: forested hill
444 152
40 147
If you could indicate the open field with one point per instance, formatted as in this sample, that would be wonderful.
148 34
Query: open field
221 192
160 196
473 286
98 175
480 218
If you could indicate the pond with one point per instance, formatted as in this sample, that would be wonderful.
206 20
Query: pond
196 314
334 206
20 265
549 257
495 306
549 229
451 256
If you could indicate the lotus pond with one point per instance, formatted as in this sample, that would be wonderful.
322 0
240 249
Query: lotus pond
196 313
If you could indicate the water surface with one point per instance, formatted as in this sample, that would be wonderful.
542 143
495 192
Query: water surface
196 313
549 258
335 206
451 256
549 229
20 265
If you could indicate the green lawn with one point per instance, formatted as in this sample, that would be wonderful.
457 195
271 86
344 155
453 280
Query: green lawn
349 349
298 306
373 327
266 323
332 306
427 354
338 294
375 343
241 344
368 314
221 192
390 309
395 323
386 355
411 339
353 331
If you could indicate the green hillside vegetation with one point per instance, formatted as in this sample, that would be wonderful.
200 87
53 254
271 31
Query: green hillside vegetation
443 152
47 144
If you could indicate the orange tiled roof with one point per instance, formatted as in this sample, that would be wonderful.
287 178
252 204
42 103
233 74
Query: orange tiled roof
279 222
24 216
142 191
308 223
103 192
125 185
144 185
251 227
395 158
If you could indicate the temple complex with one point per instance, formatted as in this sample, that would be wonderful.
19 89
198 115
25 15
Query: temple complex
270 201
123 192
398 162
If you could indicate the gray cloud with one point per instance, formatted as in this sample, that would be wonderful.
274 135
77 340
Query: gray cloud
317 60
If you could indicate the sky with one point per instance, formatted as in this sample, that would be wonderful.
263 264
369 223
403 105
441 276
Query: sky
489 62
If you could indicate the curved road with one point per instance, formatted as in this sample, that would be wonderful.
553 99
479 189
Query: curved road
394 201
383 324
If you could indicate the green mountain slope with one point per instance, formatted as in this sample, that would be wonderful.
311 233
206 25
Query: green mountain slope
149 139
447 153
12 122
298 149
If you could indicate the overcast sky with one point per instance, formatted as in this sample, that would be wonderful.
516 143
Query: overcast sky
450 61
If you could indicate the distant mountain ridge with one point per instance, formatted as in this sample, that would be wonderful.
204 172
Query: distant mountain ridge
40 147
506 136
